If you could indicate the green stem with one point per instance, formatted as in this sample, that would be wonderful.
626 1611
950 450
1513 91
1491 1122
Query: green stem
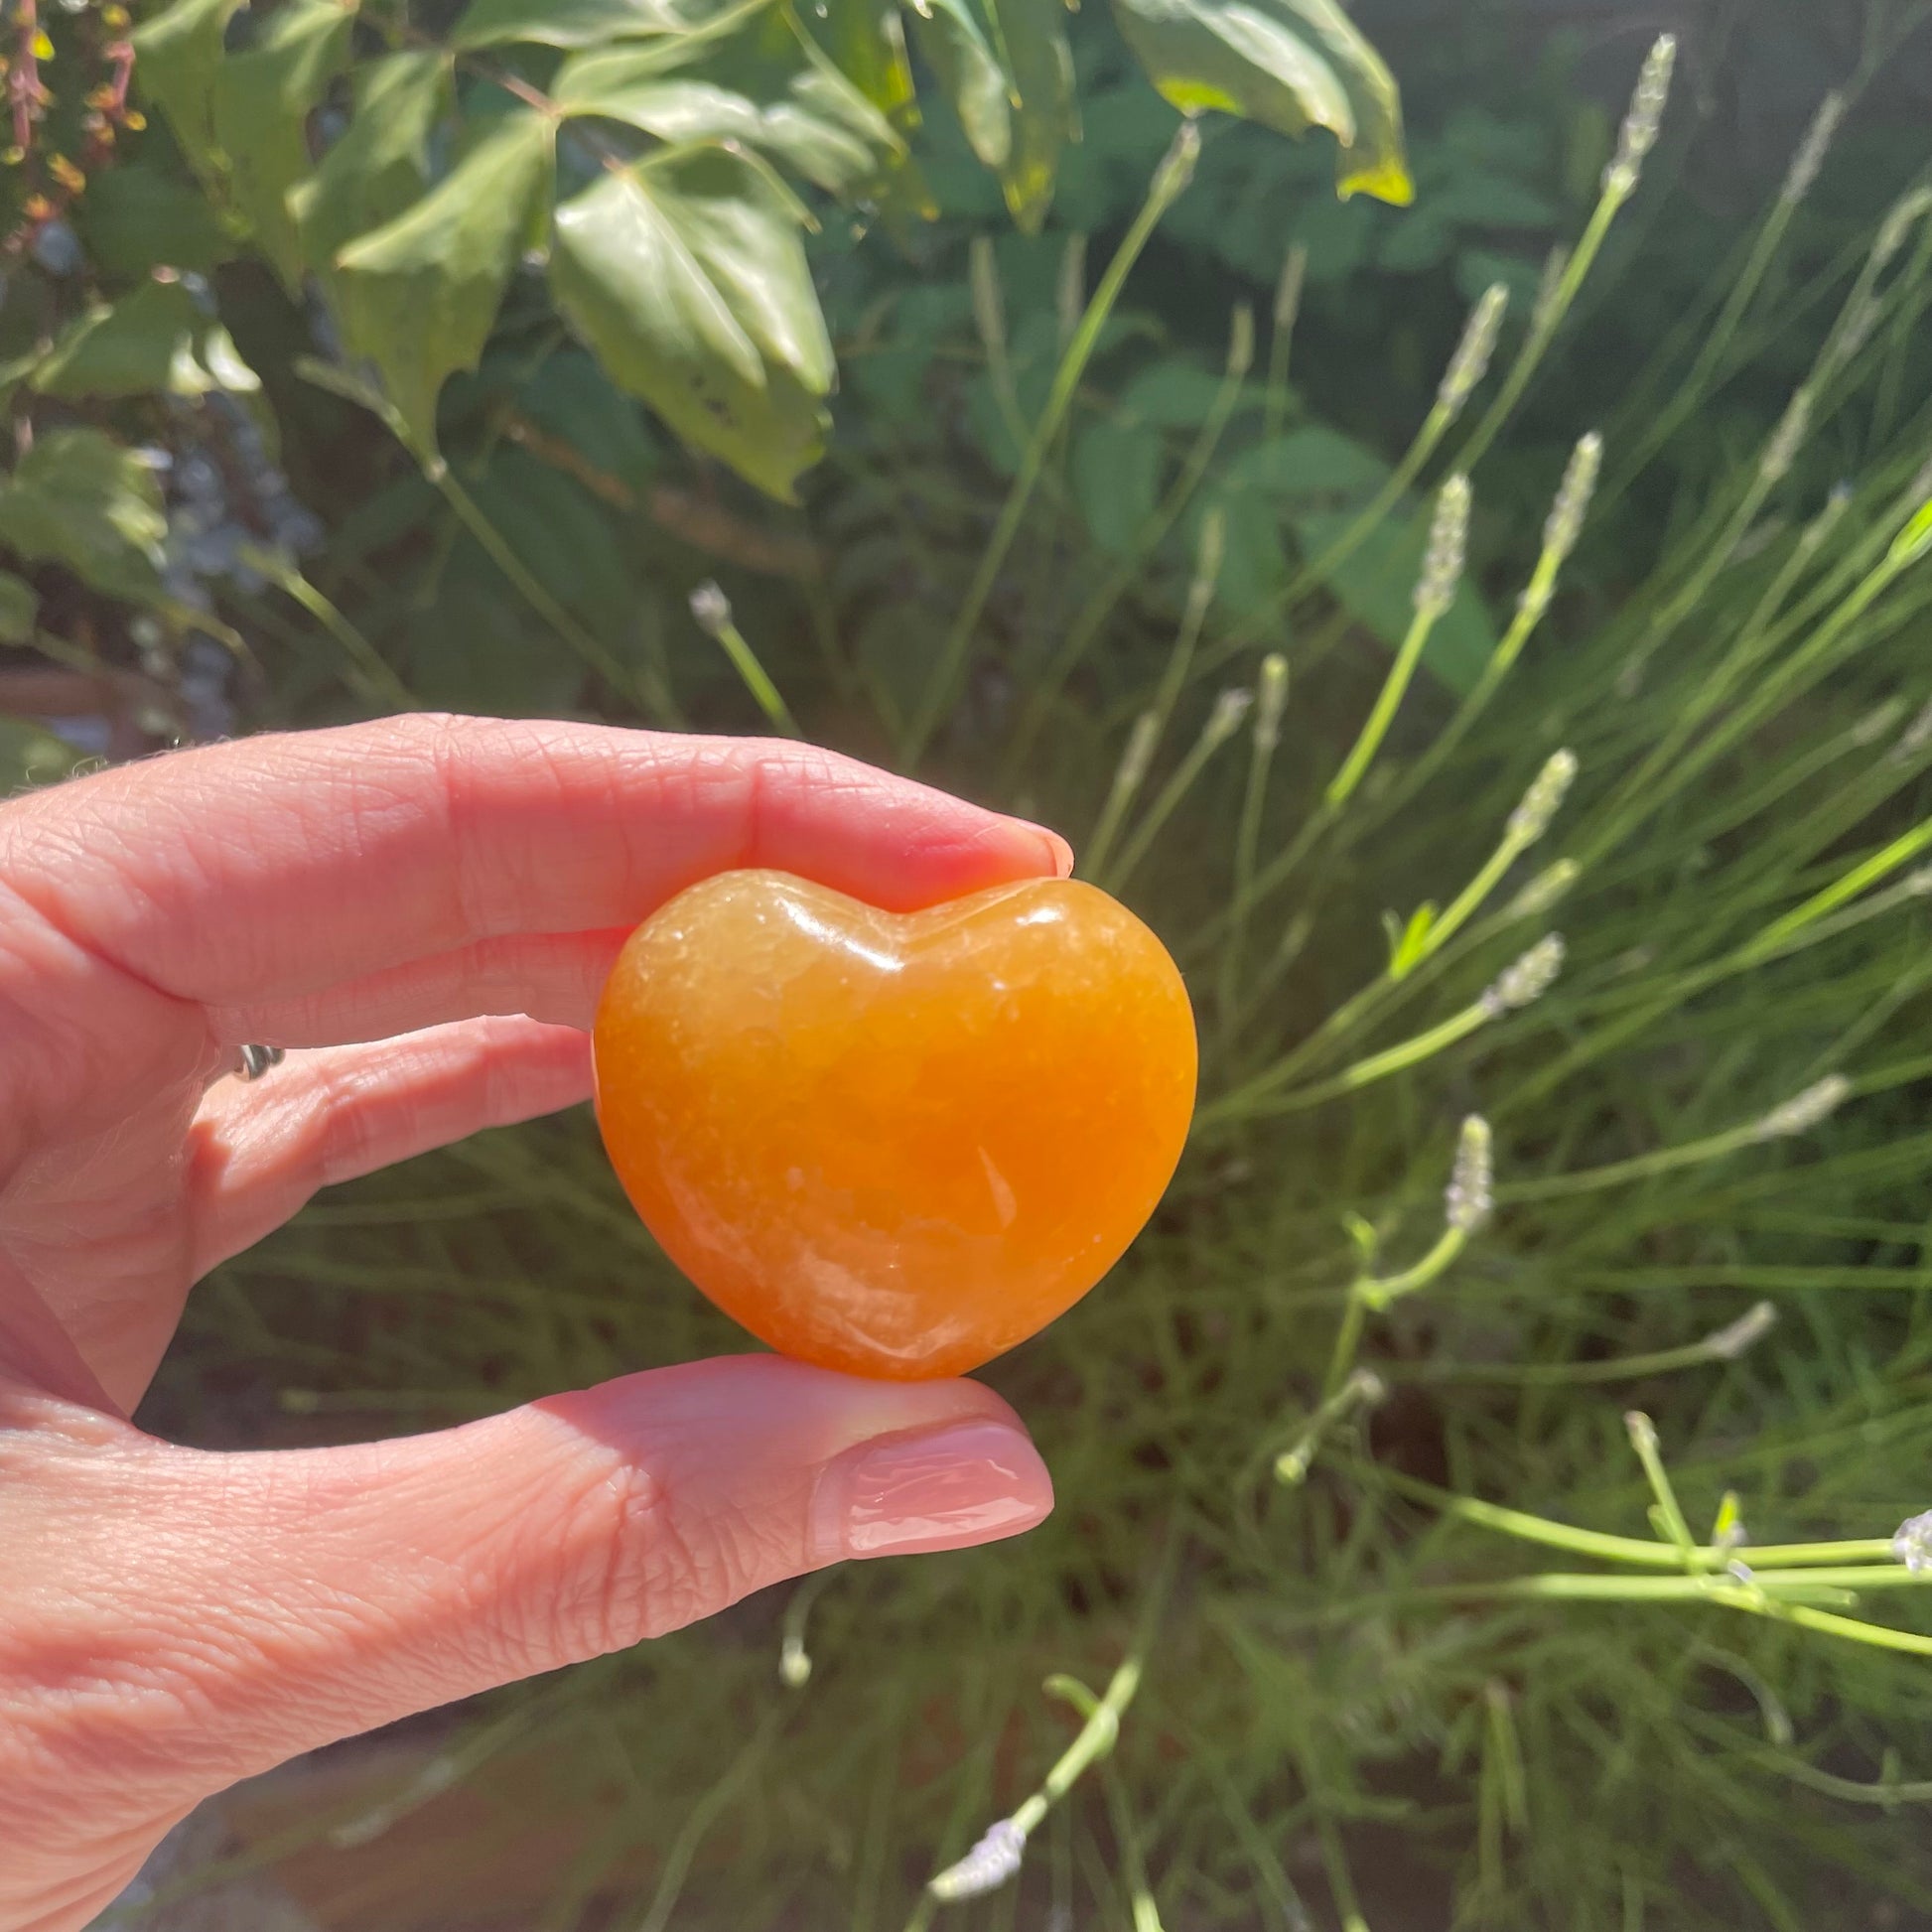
1716 339
469 512
1270 700
1372 1294
1468 902
757 680
1379 1293
1529 614
1776 936
369 675
1353 1390
1428 439
496 548
1394 686
1096 1740
1087 626
1640 1167
1252 1097
704 1814
1348 1343
1672 765
1669 1512
1625 1368
1288 309
1640 1551
1128 775
1220 727
1544 328
1169 179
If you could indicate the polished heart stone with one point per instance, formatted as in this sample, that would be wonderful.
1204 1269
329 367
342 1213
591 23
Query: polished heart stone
893 1143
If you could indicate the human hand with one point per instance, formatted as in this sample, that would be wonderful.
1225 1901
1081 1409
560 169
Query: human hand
424 911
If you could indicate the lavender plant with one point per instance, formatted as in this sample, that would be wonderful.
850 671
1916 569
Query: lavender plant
1493 1490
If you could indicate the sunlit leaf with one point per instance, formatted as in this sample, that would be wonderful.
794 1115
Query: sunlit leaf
418 296
177 57
955 37
688 279
866 42
78 499
133 220
576 23
157 339
1040 66
763 91
1406 942
381 166
263 98
1290 64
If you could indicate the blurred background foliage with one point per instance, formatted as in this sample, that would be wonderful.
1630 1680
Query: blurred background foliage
1382 1679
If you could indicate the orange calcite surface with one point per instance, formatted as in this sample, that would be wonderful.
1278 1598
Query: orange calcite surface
893 1143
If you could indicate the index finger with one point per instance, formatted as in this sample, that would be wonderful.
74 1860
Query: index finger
285 864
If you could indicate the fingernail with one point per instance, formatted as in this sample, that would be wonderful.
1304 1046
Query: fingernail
943 1488
1060 853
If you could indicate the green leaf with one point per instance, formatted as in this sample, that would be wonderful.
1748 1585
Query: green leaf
31 755
20 604
1476 268
79 499
1254 566
381 166
1290 64
1039 66
1173 394
866 42
133 220
576 23
1337 236
571 398
765 91
474 650
955 38
1315 465
263 98
1361 1237
688 280
177 57
154 341
1418 243
1405 943
1116 475
1486 200
564 537
418 296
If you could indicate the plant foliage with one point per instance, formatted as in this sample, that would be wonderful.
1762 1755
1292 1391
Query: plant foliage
1479 1487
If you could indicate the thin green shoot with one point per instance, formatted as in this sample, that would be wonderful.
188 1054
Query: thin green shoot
711 612
1170 179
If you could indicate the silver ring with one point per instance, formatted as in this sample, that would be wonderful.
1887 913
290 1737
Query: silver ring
257 1061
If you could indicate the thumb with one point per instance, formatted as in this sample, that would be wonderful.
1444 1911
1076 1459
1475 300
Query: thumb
275 1602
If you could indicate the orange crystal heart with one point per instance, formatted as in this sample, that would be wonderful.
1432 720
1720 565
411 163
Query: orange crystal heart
893 1143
